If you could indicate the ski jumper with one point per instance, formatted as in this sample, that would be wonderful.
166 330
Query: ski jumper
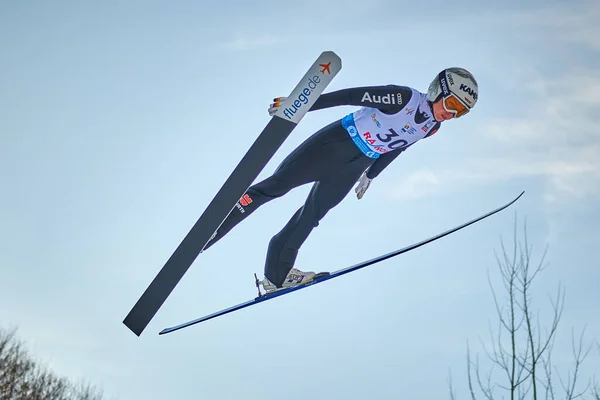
391 119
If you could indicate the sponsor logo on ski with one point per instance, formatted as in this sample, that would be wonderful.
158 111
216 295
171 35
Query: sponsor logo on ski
302 98
326 68
389 98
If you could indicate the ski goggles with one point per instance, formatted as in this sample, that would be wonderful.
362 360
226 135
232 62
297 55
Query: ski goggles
451 102
454 105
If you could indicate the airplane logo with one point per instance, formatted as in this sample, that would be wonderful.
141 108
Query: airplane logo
326 68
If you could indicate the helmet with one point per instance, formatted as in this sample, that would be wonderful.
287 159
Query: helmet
457 87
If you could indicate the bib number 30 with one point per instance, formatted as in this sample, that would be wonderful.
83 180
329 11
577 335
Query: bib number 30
396 144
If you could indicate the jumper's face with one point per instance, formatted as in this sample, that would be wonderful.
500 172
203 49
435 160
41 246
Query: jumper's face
440 113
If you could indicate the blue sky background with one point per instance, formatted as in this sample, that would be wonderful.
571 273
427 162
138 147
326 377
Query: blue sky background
119 122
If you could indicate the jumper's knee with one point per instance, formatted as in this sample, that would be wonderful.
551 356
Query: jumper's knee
270 191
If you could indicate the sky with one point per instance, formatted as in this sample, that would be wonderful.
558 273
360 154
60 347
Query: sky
119 122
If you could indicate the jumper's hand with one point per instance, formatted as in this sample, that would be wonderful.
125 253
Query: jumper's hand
363 185
277 102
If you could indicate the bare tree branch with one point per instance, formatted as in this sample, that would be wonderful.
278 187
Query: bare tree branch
520 351
451 387
470 380
579 355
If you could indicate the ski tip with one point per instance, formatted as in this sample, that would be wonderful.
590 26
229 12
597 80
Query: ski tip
519 196
513 201
331 55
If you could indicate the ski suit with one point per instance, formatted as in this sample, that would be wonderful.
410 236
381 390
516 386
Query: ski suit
390 119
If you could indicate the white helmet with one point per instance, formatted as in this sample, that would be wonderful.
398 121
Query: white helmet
457 82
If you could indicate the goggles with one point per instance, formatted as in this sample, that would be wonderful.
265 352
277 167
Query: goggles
455 105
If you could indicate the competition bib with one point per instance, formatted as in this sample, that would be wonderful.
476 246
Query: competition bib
376 133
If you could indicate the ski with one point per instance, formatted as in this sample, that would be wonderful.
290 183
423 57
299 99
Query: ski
264 297
310 87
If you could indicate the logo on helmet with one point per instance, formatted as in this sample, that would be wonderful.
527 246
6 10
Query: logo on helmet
450 80
444 86
467 89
